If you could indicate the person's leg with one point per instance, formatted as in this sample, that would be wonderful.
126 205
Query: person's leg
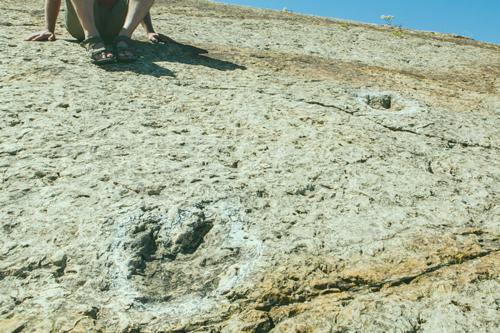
86 12
137 10
113 19
73 23
100 18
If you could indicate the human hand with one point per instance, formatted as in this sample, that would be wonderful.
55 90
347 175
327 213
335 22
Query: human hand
42 36
156 38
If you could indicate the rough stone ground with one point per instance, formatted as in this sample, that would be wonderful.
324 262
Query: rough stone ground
305 175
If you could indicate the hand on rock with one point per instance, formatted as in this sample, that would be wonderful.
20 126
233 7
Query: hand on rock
42 36
156 38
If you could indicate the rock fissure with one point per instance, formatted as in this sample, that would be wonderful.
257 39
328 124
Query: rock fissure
448 140
355 285
330 106
405 130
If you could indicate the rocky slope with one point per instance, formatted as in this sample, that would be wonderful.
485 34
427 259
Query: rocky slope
301 175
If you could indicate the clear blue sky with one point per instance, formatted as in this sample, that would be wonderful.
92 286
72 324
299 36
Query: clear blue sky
478 19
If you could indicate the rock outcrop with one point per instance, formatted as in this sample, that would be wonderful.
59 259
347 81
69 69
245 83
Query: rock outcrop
269 173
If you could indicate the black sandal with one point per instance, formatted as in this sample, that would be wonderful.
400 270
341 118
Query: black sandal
124 53
97 53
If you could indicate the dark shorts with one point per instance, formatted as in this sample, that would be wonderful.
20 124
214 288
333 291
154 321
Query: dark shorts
109 20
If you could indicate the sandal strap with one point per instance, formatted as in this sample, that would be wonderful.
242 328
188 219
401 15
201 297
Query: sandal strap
124 39
92 41
98 51
89 44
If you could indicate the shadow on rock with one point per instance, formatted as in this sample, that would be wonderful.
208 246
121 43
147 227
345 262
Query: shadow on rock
170 52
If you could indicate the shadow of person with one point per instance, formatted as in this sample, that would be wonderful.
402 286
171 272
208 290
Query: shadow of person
173 51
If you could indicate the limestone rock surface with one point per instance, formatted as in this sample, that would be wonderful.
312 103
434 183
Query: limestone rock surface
268 172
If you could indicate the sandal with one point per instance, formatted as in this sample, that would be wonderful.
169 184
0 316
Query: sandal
124 53
97 54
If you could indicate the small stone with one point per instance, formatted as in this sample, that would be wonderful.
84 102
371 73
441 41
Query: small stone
11 149
155 190
40 174
59 259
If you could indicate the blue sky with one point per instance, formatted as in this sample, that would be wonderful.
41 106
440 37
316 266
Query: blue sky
478 19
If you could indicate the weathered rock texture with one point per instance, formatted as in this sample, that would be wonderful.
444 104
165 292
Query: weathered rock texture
304 175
